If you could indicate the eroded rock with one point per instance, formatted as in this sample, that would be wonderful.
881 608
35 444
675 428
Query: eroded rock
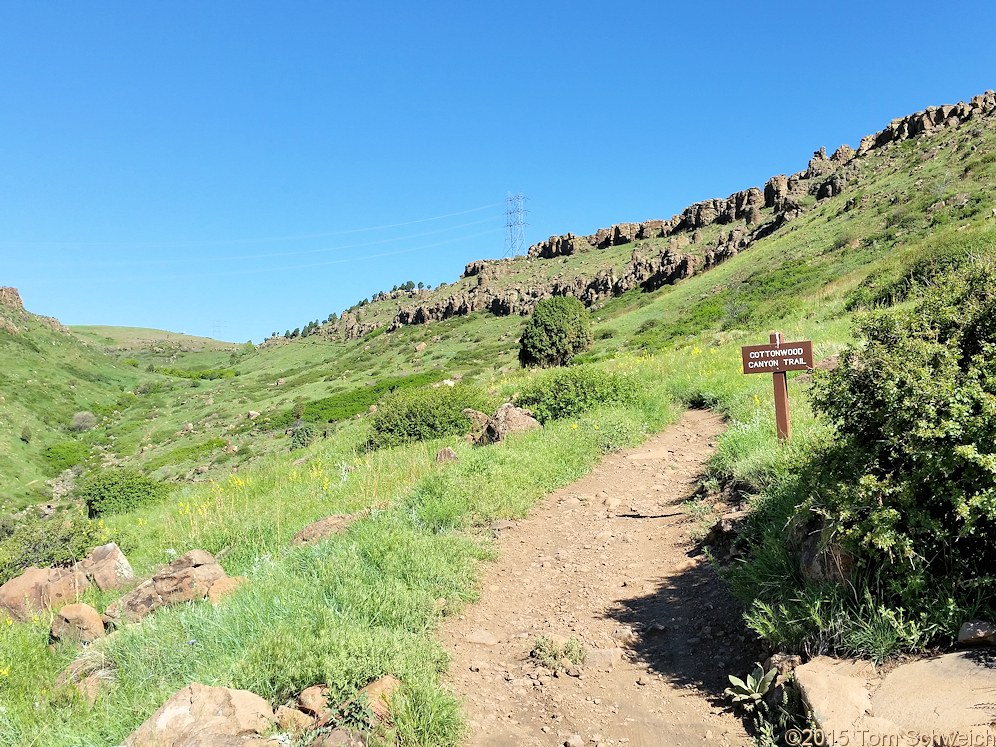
39 589
201 715
77 622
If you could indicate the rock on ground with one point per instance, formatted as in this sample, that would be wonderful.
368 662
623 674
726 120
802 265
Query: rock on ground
39 589
189 577
77 622
202 716
944 695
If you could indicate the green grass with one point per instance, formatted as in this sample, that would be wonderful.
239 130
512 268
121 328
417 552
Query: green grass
366 603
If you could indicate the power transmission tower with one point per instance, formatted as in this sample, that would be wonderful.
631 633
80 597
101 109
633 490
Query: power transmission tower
515 235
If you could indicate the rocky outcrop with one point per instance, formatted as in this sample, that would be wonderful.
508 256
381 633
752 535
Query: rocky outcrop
751 215
10 298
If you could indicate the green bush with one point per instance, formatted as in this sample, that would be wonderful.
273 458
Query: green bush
64 455
558 329
114 491
350 403
26 434
36 541
303 436
909 482
410 415
571 391
210 374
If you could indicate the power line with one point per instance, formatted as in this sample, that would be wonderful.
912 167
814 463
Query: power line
515 235
256 240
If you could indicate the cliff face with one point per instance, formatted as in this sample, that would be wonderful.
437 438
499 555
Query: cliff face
11 299
744 217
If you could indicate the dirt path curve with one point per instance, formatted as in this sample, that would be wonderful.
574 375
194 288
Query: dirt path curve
605 560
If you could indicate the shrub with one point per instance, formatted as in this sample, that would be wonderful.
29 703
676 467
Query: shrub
83 421
410 415
352 402
26 434
571 391
33 540
558 329
303 436
909 483
114 491
64 455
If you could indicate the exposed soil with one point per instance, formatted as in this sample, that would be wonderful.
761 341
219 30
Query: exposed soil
608 561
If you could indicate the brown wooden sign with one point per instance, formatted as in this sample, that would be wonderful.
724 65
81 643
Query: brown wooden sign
778 357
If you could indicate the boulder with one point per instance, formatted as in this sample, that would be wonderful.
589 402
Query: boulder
186 579
509 419
315 702
977 633
378 694
199 716
421 347
77 622
446 454
224 587
325 528
293 720
107 567
918 701
39 589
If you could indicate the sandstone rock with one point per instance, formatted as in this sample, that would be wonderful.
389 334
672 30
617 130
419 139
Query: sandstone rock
977 633
315 701
603 659
341 738
325 528
107 567
421 347
201 715
293 720
508 420
10 298
187 578
446 454
915 701
574 740
378 694
86 675
39 589
477 418
252 414
77 622
224 587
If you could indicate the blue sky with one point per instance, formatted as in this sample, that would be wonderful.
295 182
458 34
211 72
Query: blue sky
237 168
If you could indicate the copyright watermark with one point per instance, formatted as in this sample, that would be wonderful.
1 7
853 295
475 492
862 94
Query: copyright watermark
868 738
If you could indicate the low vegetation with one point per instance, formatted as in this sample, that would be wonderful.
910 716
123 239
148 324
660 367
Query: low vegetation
411 415
117 490
890 466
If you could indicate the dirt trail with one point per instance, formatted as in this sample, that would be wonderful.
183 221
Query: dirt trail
605 560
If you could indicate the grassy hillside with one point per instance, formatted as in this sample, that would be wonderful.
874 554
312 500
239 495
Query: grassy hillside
915 213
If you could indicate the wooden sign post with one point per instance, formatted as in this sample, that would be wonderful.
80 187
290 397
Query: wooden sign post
777 358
